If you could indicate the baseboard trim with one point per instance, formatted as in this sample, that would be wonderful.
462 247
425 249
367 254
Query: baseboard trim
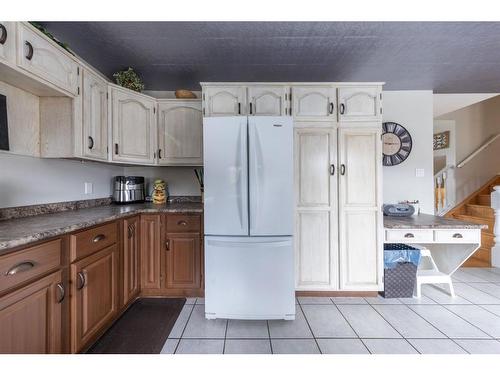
336 293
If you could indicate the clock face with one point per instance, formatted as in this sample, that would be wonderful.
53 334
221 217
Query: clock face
396 143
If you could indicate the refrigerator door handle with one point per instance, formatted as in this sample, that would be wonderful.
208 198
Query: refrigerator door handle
258 180
240 185
233 244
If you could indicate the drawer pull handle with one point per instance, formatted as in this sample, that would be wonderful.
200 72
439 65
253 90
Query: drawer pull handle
182 222
21 267
98 238
409 235
458 235
29 56
62 292
82 280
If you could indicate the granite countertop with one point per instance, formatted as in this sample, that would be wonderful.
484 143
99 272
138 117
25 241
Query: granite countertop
424 221
17 232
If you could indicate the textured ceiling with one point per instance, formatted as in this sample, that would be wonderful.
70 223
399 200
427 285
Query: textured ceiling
447 57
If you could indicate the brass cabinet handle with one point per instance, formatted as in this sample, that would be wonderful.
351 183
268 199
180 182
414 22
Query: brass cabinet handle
91 143
167 245
182 222
82 280
342 108
3 37
409 235
458 235
98 238
331 108
159 153
116 148
62 292
131 230
29 56
20 267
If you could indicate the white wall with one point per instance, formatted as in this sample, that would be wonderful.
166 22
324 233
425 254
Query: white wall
180 180
413 110
26 180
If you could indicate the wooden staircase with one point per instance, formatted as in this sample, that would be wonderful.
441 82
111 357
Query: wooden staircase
476 208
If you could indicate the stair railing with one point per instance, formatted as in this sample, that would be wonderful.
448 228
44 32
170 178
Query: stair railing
442 186
495 204
478 151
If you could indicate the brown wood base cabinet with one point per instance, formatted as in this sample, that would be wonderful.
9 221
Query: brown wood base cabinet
94 296
130 259
31 317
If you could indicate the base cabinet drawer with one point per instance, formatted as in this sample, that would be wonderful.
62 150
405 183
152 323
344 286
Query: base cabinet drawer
94 296
91 240
31 318
409 235
458 236
19 267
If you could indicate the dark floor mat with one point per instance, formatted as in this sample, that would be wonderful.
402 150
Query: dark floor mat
142 329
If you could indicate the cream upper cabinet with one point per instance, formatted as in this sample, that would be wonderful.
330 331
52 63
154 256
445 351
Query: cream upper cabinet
41 57
8 41
268 100
360 103
95 116
313 103
224 101
316 241
180 132
360 219
133 119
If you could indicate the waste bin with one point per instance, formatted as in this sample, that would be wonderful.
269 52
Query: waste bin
400 270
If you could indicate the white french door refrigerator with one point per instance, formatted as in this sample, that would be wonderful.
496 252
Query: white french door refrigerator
249 258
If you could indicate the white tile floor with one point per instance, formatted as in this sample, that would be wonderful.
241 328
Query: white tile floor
433 324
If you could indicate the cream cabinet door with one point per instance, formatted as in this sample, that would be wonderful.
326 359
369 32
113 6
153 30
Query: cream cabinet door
180 132
7 41
268 100
41 57
316 250
360 103
224 101
95 117
134 127
313 103
360 219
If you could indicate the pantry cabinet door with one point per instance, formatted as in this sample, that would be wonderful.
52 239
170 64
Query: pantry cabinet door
31 318
224 101
316 249
360 203
268 100
95 117
44 59
134 127
313 103
8 41
360 103
180 132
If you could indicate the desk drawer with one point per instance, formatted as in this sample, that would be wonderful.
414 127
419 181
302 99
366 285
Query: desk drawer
24 265
89 241
183 223
457 235
409 235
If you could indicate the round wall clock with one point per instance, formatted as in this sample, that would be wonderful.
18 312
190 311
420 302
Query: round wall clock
396 143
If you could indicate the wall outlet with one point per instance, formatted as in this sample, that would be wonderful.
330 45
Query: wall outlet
89 187
419 172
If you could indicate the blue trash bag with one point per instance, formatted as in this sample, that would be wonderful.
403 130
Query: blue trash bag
399 253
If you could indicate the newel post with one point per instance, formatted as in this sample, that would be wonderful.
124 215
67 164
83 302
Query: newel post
495 204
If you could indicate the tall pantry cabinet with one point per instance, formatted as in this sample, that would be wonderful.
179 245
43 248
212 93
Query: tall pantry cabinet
338 179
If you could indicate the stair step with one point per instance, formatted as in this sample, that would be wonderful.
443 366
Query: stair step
478 220
473 262
484 199
480 211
